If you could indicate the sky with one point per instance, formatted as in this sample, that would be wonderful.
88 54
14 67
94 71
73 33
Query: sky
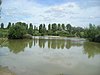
75 12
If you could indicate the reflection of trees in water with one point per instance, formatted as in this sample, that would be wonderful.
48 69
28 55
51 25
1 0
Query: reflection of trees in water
35 41
53 44
30 43
17 46
3 42
6 71
68 44
58 43
91 49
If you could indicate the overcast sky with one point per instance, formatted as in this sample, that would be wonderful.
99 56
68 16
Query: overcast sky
76 12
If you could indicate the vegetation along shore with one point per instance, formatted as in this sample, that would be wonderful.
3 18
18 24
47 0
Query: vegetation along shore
21 30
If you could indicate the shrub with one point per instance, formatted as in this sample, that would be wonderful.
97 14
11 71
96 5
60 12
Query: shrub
16 31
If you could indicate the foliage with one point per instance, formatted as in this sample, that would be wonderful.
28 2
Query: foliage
54 27
49 27
42 29
63 26
59 27
30 30
92 33
2 25
9 25
68 26
17 31
3 33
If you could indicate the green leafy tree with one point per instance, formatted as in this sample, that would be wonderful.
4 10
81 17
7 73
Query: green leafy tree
31 26
49 27
69 27
35 28
44 29
40 28
25 25
92 33
2 25
59 27
63 27
77 31
36 31
13 24
16 31
30 30
9 25
54 27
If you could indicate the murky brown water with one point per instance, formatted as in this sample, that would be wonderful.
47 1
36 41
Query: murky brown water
49 56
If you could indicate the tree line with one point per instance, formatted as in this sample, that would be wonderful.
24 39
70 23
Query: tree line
19 30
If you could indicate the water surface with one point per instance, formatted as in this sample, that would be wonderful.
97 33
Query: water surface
49 56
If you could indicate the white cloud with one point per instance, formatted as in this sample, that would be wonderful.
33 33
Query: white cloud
27 11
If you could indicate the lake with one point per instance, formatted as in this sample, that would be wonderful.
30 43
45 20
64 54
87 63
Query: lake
49 56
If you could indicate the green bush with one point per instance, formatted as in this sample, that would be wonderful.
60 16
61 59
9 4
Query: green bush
16 31
3 33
